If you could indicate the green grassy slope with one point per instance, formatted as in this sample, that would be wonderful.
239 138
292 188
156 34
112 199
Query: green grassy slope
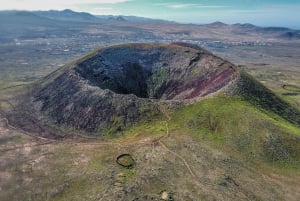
234 125
257 94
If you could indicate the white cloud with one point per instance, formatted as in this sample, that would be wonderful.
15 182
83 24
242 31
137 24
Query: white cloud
104 11
185 5
188 5
50 4
204 6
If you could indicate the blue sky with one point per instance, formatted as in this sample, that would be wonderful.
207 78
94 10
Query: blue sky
259 12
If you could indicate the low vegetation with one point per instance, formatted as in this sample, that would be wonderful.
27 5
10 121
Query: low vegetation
235 125
254 92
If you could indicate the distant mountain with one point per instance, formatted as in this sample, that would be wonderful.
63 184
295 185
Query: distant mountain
18 20
280 32
6 17
27 24
217 24
132 19
115 18
66 15
246 25
120 18
291 35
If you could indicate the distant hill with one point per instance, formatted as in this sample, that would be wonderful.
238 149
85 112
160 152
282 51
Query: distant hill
22 19
117 18
217 24
67 15
26 24
132 19
279 32
70 15
291 35
41 24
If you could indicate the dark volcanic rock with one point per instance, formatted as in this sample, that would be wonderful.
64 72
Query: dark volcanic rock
169 72
113 87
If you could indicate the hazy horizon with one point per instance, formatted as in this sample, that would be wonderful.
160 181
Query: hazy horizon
267 13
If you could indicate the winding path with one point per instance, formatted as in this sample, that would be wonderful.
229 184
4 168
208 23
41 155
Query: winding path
169 118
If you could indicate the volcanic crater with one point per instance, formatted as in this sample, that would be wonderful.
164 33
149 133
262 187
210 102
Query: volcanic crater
113 87
158 71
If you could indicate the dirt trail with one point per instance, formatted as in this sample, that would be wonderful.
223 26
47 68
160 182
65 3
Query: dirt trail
38 141
169 118
180 157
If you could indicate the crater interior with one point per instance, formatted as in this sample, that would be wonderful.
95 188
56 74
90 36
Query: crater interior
158 71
